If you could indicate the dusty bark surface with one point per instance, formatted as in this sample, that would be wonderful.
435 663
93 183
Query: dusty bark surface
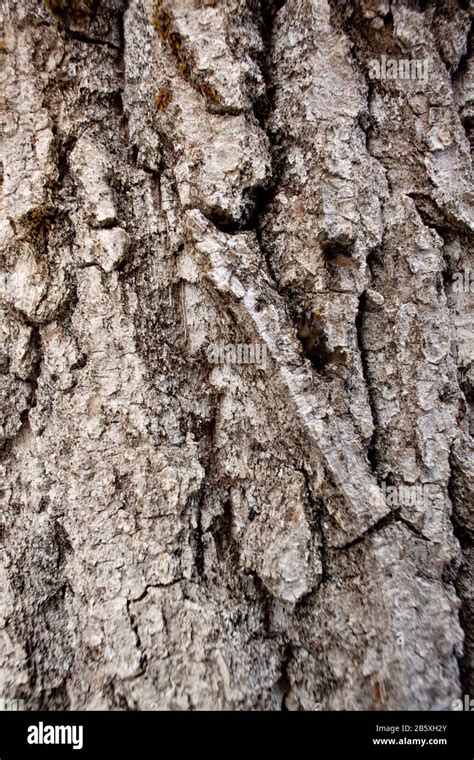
183 534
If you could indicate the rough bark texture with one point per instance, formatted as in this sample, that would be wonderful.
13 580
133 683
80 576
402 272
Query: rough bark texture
184 535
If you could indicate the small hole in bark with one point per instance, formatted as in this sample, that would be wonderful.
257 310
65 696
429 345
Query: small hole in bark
312 335
336 254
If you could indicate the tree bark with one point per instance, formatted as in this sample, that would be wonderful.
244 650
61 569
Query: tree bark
237 363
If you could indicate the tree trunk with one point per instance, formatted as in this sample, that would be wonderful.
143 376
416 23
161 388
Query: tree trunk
238 354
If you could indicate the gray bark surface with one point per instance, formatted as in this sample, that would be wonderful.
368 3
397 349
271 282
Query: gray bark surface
178 534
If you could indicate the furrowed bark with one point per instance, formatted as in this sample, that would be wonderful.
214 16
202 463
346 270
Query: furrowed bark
237 356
